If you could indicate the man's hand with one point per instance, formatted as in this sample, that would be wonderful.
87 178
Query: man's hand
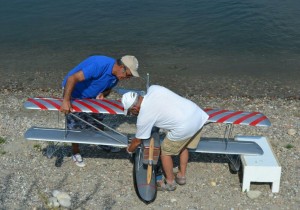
100 96
133 145
66 107
104 94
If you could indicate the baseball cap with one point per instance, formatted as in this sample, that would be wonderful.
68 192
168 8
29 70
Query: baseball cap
132 63
128 99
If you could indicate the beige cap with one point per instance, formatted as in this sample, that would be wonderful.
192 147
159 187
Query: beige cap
132 63
128 99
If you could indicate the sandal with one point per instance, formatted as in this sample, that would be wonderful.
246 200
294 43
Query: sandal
180 180
165 186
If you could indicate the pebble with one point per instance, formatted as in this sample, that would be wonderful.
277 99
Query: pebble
292 132
253 194
213 183
55 193
53 202
22 167
65 202
60 198
62 195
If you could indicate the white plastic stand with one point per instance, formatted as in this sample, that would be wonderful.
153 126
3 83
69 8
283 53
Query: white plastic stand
260 168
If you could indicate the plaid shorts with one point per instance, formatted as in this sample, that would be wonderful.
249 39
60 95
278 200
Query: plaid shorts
75 124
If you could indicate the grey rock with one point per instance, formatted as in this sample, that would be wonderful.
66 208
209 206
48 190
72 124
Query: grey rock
55 193
63 195
253 194
53 202
292 132
65 202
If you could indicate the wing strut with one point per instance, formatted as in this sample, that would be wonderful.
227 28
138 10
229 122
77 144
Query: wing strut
98 129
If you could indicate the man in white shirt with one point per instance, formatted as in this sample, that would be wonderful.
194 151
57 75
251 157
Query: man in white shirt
182 118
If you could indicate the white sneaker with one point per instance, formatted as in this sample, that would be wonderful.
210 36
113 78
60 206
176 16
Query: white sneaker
78 160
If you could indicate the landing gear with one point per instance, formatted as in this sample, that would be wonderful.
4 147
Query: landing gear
234 163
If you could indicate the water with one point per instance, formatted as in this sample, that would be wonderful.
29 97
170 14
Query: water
228 41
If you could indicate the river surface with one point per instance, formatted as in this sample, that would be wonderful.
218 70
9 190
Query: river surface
205 46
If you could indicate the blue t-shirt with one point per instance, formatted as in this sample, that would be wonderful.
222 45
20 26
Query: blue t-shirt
97 71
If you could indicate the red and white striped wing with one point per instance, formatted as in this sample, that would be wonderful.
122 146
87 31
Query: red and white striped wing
104 106
237 117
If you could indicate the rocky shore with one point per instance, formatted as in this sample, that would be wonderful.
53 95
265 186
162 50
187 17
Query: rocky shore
28 179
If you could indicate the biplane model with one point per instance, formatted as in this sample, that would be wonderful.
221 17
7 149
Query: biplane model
146 157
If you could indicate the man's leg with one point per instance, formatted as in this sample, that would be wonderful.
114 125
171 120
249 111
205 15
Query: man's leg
170 148
74 124
167 164
75 148
184 157
100 117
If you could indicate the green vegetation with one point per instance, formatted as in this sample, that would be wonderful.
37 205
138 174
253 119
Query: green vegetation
44 200
289 146
2 140
37 147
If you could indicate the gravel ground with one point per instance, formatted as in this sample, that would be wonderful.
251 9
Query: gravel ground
28 177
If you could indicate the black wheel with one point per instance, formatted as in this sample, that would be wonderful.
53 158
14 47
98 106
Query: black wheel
234 164
50 151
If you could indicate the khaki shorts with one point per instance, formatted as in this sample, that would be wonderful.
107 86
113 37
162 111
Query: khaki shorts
169 147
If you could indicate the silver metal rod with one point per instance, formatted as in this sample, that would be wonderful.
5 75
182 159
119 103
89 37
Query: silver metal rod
99 122
147 81
66 125
96 128
228 133
231 131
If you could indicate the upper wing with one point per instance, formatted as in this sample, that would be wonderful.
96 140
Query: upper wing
107 106
104 106
237 117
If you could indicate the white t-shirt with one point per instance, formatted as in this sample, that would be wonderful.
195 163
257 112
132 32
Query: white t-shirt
165 109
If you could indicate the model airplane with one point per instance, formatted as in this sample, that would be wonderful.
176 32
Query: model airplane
147 155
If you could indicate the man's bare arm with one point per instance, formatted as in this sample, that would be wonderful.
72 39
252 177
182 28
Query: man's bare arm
103 94
106 92
133 145
66 106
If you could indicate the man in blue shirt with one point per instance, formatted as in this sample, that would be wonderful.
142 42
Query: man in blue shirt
94 78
